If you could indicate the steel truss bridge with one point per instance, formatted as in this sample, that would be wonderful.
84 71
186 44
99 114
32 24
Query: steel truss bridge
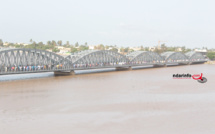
13 61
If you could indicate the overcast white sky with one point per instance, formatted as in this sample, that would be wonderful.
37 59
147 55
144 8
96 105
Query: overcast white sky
112 22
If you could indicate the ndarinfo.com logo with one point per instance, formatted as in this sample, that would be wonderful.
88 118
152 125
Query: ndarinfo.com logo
197 77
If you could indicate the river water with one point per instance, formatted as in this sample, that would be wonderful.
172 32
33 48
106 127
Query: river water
143 101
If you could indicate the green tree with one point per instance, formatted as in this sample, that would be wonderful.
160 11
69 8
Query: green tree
114 49
146 49
126 49
1 42
159 51
171 48
130 50
122 50
76 44
141 48
67 45
211 55
54 43
163 48
183 49
106 47
186 50
59 42
83 47
49 43
55 50
11 44
101 47
73 49
18 46
34 45
41 46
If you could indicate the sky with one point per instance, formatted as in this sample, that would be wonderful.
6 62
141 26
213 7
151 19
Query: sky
189 23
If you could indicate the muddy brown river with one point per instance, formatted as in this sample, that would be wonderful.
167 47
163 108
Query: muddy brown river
143 101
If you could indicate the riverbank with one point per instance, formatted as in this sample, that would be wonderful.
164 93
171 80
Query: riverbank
210 62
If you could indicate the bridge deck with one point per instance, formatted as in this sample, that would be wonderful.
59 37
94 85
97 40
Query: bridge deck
89 68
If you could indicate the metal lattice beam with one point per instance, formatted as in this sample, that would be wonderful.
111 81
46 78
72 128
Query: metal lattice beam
144 57
31 58
95 58
175 57
195 56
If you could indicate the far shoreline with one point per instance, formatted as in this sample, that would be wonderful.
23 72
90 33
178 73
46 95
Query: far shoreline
210 62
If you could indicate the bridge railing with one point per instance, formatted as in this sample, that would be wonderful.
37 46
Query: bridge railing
198 60
28 69
99 65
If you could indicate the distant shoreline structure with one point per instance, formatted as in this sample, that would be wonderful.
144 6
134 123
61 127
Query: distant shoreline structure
210 62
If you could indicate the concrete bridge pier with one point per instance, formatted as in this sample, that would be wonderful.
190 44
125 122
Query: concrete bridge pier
61 73
200 62
186 63
157 65
123 68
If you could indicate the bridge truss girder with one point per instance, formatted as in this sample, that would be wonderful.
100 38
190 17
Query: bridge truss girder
10 58
175 57
30 57
145 57
95 58
195 56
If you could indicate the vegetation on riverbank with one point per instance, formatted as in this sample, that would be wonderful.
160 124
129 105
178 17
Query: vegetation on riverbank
210 62
55 46
211 55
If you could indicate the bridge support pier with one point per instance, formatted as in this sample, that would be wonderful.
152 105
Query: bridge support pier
191 63
59 73
183 64
156 65
123 68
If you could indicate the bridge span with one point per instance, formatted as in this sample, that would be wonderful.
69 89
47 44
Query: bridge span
18 61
